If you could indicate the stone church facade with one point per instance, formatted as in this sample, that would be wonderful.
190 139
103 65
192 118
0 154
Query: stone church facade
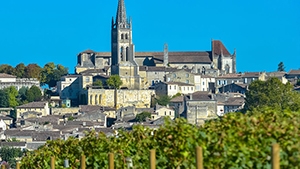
123 59
132 67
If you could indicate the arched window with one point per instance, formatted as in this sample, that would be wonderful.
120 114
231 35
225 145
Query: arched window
96 99
127 53
122 36
100 99
121 53
126 36
91 99
227 69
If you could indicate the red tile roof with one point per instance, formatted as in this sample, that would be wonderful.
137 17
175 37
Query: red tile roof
218 48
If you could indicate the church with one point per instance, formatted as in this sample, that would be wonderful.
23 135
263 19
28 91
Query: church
125 62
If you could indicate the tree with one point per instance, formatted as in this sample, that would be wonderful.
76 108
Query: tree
22 95
12 94
33 71
143 116
33 94
20 70
3 99
98 83
9 155
272 93
5 68
114 81
52 73
163 100
281 67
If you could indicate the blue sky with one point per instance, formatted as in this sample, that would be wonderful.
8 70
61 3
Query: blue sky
264 32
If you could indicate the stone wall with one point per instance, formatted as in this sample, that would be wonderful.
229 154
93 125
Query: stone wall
106 97
62 111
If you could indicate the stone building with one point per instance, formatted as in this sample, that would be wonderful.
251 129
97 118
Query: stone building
172 88
125 62
124 98
200 106
38 107
69 87
122 50
7 80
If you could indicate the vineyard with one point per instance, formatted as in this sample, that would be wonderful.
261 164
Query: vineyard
234 141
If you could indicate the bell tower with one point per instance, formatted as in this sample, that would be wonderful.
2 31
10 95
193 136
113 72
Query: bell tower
122 50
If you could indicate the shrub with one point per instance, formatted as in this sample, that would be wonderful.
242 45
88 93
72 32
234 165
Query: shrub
234 141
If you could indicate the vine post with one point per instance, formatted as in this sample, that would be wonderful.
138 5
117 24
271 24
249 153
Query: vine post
275 156
82 162
52 163
18 165
199 157
111 161
152 159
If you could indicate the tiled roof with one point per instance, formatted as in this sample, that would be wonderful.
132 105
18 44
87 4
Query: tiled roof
294 72
200 96
6 118
230 76
4 75
13 144
33 105
234 101
174 57
189 57
251 74
177 99
276 74
178 83
157 69
219 48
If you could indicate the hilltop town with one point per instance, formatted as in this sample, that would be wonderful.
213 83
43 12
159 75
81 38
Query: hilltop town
123 88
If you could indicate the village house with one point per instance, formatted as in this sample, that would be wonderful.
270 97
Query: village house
172 88
7 80
162 111
37 108
280 75
234 88
68 88
200 106
8 121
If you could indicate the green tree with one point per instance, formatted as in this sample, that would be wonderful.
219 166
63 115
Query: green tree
5 68
33 71
9 155
22 95
20 70
98 83
12 93
281 67
52 73
272 93
114 81
142 116
163 100
33 94
3 99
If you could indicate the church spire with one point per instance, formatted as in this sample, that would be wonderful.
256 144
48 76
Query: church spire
121 19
